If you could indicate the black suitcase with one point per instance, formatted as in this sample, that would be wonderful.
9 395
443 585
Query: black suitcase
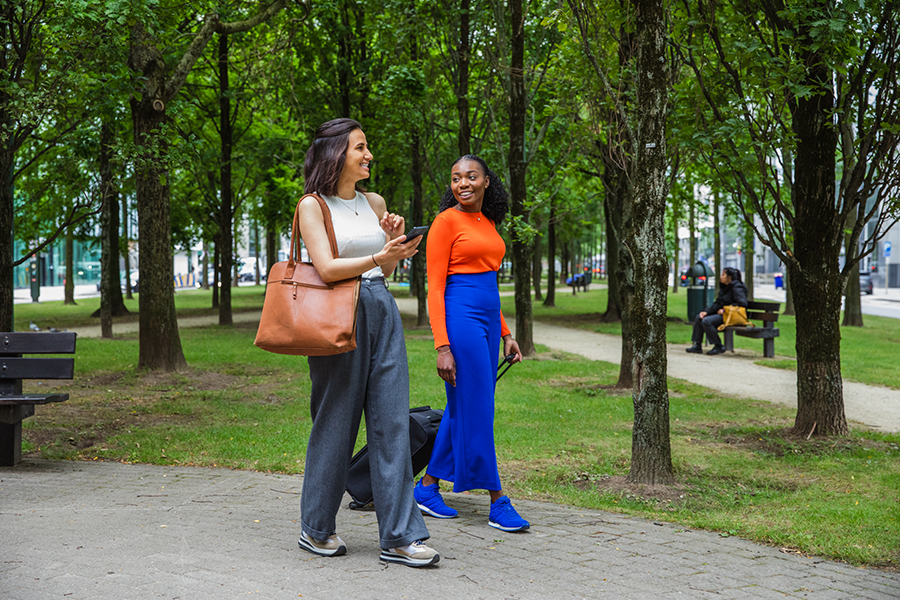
423 427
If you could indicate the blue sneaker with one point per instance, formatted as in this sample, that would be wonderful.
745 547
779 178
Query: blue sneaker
504 517
429 500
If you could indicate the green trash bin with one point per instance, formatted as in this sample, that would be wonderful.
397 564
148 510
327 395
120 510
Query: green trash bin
701 289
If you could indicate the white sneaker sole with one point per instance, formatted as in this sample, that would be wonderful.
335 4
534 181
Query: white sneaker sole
408 560
306 545
511 529
428 511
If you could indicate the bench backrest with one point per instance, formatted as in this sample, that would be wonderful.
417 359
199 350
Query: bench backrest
763 311
14 367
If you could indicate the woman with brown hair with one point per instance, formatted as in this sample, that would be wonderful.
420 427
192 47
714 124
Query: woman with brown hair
372 379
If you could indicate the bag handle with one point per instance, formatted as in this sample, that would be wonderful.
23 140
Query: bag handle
294 255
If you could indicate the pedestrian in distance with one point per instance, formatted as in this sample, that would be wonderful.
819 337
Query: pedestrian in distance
372 379
463 256
732 292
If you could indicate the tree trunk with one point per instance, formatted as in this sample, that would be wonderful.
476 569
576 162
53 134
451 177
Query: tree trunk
226 211
7 283
111 302
108 222
256 265
748 262
676 277
204 267
126 215
462 92
617 216
853 316
788 294
620 209
417 272
160 344
217 258
815 272
536 269
517 173
69 288
550 299
717 240
651 458
820 399
271 247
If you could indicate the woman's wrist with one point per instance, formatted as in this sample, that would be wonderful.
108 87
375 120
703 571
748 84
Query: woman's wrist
442 350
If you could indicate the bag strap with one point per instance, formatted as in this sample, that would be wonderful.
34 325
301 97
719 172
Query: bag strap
294 255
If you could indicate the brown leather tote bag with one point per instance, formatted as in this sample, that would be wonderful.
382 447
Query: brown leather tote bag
302 315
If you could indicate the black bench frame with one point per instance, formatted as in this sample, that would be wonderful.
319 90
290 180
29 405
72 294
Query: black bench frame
767 312
582 280
16 406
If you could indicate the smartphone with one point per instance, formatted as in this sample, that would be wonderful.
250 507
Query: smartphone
415 232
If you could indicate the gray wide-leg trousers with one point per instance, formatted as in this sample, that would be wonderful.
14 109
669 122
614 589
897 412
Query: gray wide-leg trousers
373 378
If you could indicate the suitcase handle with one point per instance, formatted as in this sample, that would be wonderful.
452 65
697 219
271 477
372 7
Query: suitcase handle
506 359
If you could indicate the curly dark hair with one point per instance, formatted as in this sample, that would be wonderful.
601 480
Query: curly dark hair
496 198
326 155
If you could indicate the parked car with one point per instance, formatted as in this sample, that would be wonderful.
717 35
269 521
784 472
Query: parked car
685 279
865 284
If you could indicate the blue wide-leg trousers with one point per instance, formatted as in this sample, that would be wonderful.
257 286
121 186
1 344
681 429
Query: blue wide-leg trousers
464 450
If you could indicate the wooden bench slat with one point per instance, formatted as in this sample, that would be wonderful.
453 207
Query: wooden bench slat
757 316
37 343
765 306
16 399
36 368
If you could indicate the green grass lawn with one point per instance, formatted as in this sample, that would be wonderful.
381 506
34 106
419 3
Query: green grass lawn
868 354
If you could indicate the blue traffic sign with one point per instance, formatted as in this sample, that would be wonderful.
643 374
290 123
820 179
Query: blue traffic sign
887 249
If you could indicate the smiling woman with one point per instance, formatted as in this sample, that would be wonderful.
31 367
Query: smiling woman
375 376
463 257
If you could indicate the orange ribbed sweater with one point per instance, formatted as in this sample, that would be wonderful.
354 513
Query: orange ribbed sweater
459 242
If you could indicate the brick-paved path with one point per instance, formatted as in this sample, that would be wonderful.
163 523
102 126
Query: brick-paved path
93 530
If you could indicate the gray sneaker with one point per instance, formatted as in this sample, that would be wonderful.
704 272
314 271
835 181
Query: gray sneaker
333 546
416 554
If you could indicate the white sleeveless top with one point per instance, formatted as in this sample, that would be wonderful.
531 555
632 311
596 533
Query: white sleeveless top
356 234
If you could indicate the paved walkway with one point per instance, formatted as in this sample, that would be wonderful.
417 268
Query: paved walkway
89 530
86 530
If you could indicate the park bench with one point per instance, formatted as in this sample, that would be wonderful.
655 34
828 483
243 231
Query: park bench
16 406
767 312
582 280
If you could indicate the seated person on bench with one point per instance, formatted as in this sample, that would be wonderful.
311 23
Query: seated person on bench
732 292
